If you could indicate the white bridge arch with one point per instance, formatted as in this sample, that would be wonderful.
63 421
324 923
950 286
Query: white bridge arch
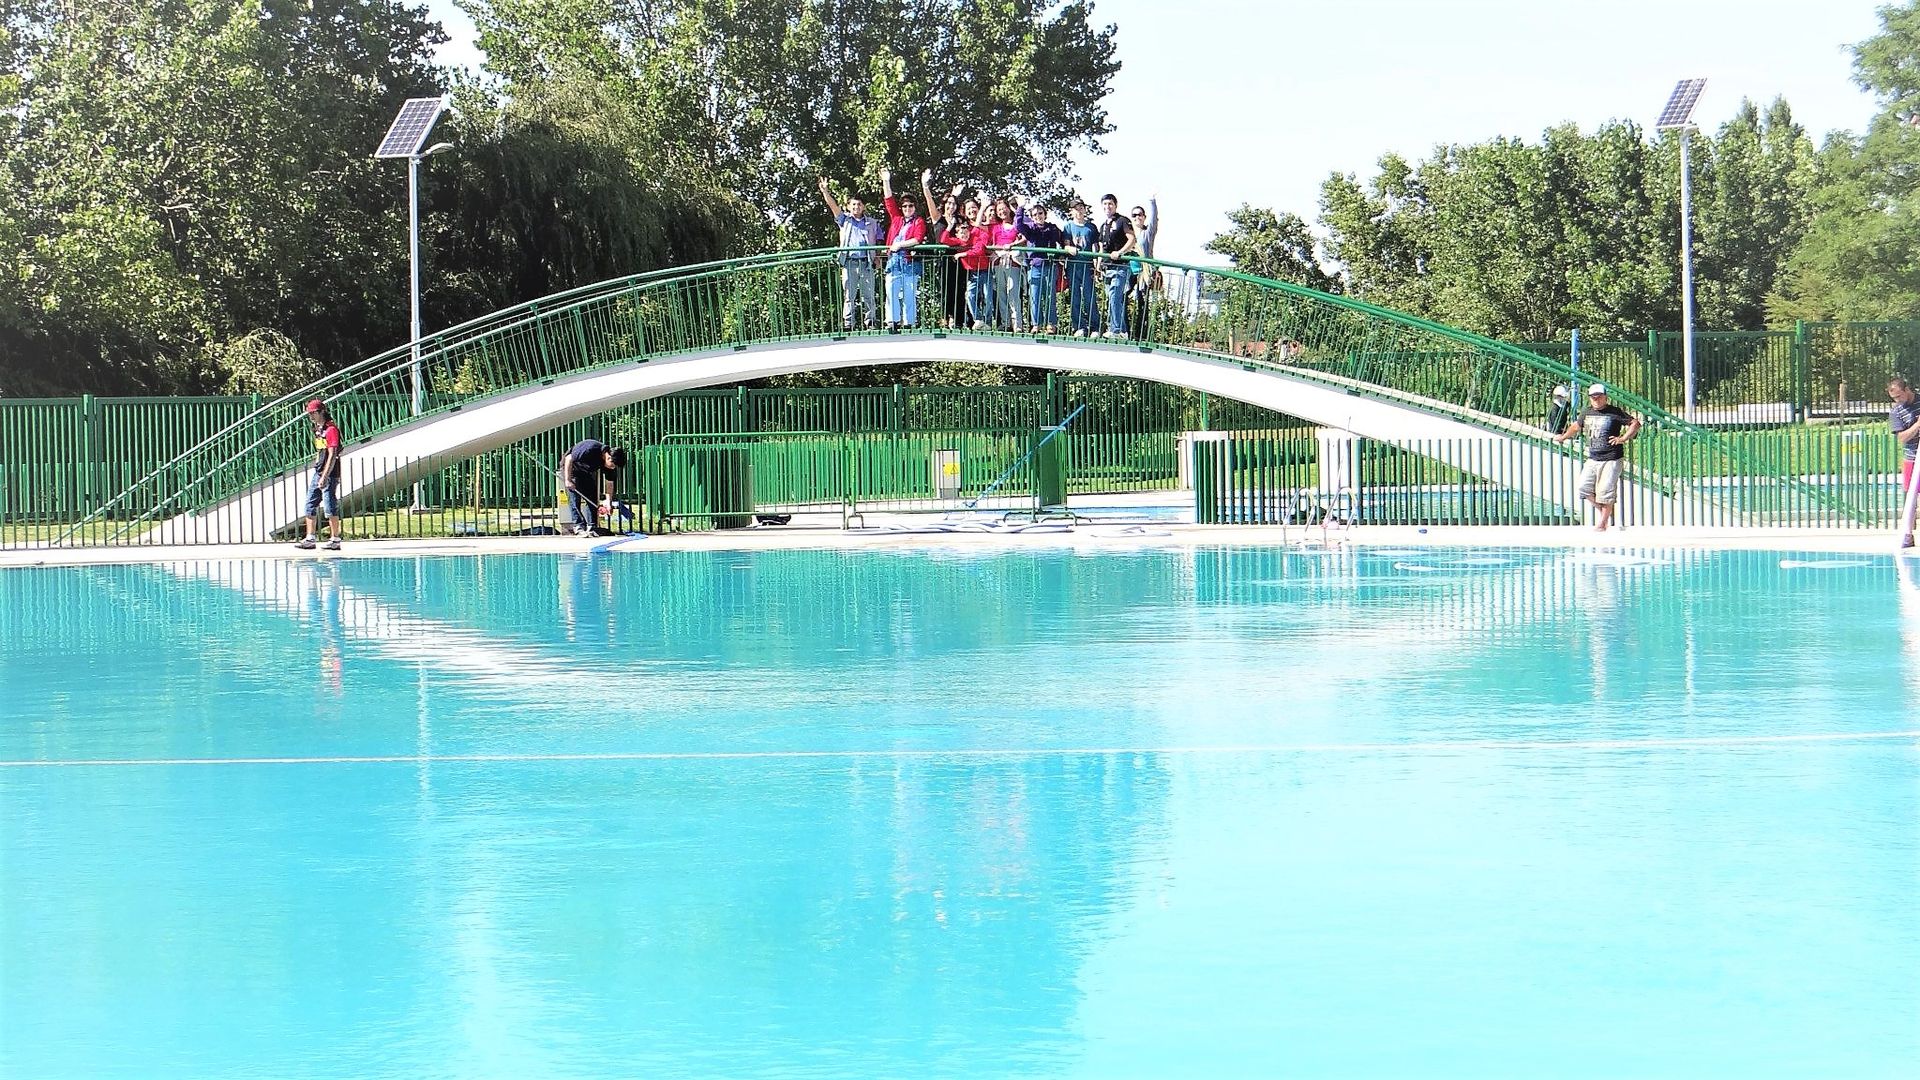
1490 446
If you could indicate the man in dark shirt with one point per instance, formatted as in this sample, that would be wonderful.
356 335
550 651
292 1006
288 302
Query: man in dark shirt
1904 418
1609 429
582 471
1117 241
324 492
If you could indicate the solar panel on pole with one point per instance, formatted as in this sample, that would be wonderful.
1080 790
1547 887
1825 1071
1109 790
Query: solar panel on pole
411 128
1686 94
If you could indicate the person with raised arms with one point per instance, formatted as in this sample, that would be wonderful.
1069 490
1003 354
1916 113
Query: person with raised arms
906 230
861 238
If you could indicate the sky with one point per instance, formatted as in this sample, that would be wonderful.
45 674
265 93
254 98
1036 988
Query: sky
1220 102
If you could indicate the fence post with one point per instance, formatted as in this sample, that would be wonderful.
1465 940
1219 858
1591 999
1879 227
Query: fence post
89 468
899 406
1651 368
1802 371
742 418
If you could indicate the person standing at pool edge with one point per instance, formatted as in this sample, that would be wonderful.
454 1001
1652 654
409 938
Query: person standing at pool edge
581 470
1904 418
1609 429
324 491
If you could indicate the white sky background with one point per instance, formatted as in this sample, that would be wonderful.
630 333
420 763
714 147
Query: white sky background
1220 102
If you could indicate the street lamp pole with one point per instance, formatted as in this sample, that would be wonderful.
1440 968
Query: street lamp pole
404 139
1677 116
413 261
1686 268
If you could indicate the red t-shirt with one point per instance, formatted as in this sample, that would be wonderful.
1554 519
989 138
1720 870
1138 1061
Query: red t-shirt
324 440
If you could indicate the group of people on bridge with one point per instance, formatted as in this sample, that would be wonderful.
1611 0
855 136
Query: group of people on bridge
1004 262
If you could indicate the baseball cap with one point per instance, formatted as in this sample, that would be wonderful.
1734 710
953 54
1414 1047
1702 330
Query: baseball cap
316 405
1596 388
1561 393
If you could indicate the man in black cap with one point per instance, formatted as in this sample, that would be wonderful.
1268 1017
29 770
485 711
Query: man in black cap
585 471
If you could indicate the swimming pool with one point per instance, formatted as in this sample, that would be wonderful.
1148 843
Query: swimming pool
1145 812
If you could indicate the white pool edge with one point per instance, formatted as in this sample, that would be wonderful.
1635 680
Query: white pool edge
1089 536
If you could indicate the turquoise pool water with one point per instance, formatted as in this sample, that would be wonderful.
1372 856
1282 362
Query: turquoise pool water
1128 813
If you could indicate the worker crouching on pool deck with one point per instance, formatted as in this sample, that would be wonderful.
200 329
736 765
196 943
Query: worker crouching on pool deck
1609 428
585 471
325 489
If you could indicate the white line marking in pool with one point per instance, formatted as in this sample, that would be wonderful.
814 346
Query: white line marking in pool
1031 751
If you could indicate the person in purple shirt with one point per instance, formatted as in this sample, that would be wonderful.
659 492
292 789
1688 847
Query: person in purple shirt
1037 230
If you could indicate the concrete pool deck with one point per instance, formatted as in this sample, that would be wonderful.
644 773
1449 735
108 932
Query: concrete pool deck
929 534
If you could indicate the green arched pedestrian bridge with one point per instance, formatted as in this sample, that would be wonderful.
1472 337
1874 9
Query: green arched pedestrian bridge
1471 401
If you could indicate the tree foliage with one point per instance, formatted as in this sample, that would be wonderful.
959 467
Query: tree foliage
1526 239
1270 245
1861 255
773 93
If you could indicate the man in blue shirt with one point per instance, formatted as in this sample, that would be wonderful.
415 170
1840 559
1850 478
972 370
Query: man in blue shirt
861 238
1083 239
1904 419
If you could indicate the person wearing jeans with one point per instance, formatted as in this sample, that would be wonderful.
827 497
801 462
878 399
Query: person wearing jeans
1082 239
969 244
1146 226
1042 270
906 230
1117 241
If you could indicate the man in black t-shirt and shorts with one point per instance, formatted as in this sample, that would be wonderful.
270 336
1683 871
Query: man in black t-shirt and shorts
1609 428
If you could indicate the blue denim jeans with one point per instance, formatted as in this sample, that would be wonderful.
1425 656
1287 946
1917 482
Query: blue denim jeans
581 510
324 497
1119 278
903 291
1080 294
1042 307
980 296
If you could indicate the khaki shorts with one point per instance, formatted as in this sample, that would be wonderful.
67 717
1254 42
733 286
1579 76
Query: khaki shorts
1600 481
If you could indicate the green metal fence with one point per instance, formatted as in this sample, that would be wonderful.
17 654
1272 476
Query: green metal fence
60 458
1293 477
1814 371
1257 324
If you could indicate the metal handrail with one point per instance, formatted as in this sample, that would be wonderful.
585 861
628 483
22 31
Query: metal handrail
707 305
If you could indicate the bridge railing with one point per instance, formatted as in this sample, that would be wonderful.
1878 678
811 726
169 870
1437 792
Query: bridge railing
1253 322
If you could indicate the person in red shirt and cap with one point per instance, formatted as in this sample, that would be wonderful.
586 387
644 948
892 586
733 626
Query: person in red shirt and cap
324 491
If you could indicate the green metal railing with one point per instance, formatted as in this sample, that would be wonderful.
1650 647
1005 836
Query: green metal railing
1258 324
1816 370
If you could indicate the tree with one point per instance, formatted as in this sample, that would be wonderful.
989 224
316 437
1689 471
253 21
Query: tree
773 93
187 171
1270 245
1860 256
1525 240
